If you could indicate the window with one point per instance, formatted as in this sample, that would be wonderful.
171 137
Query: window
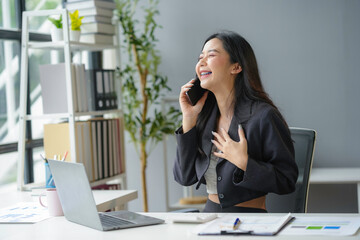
10 39
8 17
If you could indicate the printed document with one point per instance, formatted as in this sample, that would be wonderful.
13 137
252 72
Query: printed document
254 225
24 212
335 226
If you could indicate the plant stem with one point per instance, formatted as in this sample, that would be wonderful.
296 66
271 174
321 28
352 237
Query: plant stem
143 177
143 157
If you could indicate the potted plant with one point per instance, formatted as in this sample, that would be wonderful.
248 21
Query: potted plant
56 30
143 85
75 26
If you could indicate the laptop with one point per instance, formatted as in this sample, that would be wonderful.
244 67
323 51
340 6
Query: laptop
79 205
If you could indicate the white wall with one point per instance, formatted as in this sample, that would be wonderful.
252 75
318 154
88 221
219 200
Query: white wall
308 54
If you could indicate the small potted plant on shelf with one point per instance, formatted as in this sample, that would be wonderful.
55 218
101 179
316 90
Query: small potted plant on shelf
56 30
75 26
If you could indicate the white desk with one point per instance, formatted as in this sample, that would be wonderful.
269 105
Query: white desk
337 176
58 228
105 200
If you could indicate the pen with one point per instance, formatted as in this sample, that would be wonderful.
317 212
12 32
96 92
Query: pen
236 224
63 159
44 158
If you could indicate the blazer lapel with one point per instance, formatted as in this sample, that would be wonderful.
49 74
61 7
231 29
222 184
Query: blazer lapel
242 113
207 135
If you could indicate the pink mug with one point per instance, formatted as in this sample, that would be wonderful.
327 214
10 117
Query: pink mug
53 202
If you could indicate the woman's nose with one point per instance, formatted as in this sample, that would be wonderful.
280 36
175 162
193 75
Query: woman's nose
202 61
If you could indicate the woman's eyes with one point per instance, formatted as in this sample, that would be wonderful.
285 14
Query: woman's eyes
201 57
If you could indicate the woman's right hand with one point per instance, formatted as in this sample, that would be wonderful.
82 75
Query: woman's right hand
189 112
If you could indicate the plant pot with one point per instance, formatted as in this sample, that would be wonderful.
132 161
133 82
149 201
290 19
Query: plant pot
74 35
56 34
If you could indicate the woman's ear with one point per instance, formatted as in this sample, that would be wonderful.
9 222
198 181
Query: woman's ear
236 68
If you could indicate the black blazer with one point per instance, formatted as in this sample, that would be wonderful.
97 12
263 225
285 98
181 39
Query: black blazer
271 165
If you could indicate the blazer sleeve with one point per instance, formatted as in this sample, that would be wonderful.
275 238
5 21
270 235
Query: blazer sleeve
186 154
277 170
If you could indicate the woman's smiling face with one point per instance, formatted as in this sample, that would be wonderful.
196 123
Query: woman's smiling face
214 68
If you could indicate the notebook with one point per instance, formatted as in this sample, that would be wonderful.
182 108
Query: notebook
79 205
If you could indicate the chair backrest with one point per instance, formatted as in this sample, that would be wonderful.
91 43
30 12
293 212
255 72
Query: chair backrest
296 202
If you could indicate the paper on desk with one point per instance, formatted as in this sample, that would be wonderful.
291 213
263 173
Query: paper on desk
257 225
309 225
24 212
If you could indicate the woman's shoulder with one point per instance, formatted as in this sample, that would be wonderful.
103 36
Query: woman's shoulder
261 109
256 110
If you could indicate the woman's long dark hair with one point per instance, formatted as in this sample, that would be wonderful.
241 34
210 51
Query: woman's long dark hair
247 83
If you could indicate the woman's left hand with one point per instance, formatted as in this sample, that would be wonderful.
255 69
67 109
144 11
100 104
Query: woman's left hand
234 152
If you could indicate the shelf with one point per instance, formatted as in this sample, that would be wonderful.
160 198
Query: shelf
116 179
100 112
67 115
30 186
72 117
109 179
74 46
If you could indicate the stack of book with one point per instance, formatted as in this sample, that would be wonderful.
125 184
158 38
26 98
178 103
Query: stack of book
97 24
99 145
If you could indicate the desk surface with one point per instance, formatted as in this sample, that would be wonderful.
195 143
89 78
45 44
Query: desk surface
58 228
104 200
335 175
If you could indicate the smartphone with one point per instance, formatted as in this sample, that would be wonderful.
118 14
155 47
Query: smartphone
195 92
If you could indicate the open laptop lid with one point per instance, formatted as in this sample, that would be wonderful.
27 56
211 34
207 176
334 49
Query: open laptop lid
75 193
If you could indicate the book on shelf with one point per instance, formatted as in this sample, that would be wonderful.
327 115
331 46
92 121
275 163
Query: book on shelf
96 11
120 143
53 88
90 4
97 28
81 84
99 145
105 159
97 38
94 156
96 19
116 186
57 140
101 92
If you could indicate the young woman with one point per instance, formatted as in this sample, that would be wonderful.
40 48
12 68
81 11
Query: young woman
234 139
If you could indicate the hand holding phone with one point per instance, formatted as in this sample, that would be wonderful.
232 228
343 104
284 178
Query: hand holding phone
195 92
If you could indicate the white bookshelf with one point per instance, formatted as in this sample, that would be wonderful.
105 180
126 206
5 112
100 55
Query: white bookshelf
67 47
74 46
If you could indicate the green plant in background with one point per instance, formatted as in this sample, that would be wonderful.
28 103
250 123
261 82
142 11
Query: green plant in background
143 85
75 20
57 22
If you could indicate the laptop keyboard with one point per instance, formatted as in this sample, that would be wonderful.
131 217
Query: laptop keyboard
113 222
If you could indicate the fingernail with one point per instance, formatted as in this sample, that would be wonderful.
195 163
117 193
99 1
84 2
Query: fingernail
212 140
240 127
212 132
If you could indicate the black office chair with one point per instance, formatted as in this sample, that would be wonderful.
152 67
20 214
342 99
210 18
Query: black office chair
296 202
